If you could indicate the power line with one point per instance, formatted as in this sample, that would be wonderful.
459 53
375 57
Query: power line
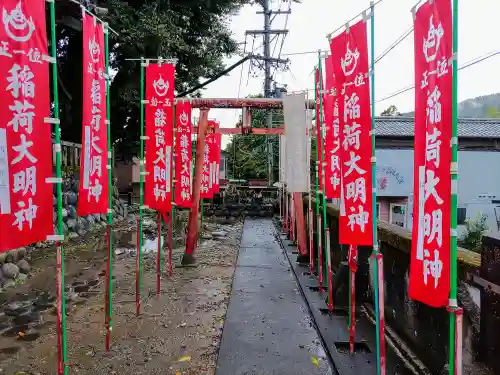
468 64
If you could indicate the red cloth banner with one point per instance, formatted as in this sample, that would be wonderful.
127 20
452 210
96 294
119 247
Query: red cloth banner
350 51
319 134
207 173
94 183
26 214
183 155
215 159
332 140
430 255
160 80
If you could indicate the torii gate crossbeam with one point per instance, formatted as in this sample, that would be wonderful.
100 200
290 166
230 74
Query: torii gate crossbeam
202 129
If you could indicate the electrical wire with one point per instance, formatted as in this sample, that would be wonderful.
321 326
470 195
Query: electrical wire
399 40
468 64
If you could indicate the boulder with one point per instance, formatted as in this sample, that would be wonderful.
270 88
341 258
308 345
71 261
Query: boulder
24 266
10 270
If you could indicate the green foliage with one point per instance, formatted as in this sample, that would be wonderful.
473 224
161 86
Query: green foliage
391 111
195 32
473 235
247 154
493 113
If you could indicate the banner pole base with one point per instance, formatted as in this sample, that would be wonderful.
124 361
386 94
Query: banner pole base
108 280
158 256
137 271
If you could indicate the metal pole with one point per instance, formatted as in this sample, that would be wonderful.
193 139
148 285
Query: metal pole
377 256
61 313
109 313
454 367
321 160
318 216
138 270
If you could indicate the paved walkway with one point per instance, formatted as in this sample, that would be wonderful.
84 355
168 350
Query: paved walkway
268 329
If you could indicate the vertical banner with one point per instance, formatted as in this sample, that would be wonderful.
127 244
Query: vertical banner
350 51
26 214
296 143
207 173
218 144
430 255
332 139
159 136
183 155
319 134
93 189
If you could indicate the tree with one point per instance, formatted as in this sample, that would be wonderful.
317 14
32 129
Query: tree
472 238
493 113
391 111
247 154
193 31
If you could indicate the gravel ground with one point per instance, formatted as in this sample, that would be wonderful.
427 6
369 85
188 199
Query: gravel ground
177 332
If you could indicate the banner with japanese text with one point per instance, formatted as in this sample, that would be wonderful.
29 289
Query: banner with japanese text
159 113
215 158
332 140
183 155
26 210
207 173
93 189
350 51
430 255
319 134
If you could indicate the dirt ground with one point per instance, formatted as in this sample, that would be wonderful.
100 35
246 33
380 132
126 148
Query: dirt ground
177 332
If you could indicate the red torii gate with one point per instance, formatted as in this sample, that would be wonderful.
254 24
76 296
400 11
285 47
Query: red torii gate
203 129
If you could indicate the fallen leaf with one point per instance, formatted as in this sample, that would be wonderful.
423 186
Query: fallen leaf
184 358
315 361
21 334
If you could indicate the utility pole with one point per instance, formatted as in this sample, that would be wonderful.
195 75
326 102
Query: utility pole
268 59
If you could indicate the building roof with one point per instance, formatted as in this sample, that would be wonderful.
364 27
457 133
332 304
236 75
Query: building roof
400 126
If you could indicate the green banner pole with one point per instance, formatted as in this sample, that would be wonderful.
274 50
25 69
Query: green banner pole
109 313
62 333
454 200
138 270
377 256
322 166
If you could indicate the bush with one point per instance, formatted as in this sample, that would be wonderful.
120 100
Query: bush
473 237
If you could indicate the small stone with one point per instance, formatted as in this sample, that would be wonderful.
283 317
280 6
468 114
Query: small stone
3 256
72 198
23 266
10 270
64 213
21 253
72 212
73 235
21 277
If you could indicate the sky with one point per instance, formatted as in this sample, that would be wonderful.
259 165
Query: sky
311 21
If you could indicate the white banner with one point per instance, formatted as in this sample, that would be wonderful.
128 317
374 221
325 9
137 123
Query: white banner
294 110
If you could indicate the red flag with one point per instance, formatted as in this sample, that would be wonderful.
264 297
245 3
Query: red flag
26 214
94 186
207 174
430 255
183 157
332 140
216 152
319 135
159 132
350 54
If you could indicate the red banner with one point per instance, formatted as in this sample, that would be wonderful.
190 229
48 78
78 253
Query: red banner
159 136
207 173
350 53
332 139
183 155
319 135
215 161
26 214
430 255
94 186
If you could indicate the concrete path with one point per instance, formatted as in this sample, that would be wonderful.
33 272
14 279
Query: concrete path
268 329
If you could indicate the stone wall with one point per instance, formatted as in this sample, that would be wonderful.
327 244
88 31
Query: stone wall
75 226
423 329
